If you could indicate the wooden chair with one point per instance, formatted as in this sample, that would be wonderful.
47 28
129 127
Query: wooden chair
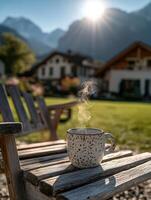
42 171
33 118
34 114
54 178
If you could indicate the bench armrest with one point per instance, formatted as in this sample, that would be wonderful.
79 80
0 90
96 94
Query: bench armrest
7 128
62 106
66 109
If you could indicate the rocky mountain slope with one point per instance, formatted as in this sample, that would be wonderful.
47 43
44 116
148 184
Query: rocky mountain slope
115 31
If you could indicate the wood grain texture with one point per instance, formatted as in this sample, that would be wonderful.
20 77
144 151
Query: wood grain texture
4 106
45 164
33 193
34 176
106 188
7 128
48 162
42 159
35 118
52 114
47 116
44 151
63 106
21 112
40 144
75 179
12 168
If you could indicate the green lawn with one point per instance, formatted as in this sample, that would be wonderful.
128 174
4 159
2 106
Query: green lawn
130 123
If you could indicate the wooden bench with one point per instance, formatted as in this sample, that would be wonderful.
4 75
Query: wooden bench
35 115
52 177
42 171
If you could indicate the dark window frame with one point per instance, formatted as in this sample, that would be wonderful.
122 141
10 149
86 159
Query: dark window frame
149 61
43 71
51 71
62 71
57 60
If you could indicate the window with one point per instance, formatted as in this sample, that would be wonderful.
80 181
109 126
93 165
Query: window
43 71
130 68
149 63
62 71
57 60
131 62
74 71
82 71
50 71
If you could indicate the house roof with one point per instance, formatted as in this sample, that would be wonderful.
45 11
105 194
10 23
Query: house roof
75 58
109 64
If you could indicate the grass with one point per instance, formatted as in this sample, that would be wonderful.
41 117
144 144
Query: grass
130 123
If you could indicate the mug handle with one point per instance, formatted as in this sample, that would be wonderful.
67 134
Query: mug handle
108 136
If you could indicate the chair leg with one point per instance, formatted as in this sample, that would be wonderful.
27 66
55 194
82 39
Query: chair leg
54 124
12 168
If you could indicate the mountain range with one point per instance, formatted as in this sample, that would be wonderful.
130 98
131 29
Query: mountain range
40 42
112 33
101 40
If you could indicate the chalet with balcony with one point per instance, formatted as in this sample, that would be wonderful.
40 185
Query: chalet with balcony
129 72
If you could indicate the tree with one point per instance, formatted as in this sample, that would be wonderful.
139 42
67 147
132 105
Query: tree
15 54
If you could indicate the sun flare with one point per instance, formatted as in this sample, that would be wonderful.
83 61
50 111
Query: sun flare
94 10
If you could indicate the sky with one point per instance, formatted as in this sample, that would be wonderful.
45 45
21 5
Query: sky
51 14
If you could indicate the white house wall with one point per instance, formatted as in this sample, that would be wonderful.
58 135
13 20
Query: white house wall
63 62
56 68
117 75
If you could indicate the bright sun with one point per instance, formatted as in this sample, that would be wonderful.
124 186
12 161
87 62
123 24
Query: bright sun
94 9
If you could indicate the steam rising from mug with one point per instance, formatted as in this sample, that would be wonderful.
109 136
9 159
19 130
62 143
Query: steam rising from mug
88 88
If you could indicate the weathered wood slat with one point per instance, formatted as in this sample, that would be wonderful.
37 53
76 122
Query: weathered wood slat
75 179
40 165
63 106
39 154
4 106
16 97
106 188
40 144
35 118
47 162
46 116
48 150
42 159
12 169
33 193
7 128
34 176
42 154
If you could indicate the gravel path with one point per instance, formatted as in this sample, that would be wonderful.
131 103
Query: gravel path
141 192
3 188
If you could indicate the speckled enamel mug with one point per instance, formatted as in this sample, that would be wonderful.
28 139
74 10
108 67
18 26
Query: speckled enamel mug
86 147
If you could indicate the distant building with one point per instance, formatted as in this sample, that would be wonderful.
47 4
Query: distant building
58 65
129 72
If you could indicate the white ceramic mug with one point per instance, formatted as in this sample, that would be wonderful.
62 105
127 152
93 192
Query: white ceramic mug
86 146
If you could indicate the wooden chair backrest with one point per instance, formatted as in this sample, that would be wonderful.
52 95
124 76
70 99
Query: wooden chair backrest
24 106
